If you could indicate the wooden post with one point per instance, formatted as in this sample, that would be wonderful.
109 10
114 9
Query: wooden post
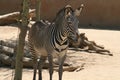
21 42
38 4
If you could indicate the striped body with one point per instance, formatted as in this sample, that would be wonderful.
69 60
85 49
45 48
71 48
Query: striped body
51 40
54 42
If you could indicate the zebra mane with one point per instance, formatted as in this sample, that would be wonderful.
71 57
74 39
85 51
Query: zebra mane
61 12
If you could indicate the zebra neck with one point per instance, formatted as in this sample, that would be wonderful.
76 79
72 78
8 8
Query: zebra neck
60 38
60 42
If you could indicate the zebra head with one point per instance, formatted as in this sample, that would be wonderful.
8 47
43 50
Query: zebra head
72 22
67 22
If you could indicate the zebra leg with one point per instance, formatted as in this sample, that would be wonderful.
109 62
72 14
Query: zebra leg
50 59
35 65
40 66
61 62
34 57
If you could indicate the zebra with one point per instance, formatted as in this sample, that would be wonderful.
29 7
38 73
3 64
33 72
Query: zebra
51 40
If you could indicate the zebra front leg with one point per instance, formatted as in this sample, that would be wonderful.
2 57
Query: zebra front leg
61 62
50 59
40 66
35 65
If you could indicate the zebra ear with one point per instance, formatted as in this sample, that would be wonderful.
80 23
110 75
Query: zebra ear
67 10
82 34
78 10
68 6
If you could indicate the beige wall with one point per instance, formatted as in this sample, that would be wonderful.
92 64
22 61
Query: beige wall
96 12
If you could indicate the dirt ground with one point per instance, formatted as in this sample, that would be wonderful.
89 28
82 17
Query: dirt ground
97 66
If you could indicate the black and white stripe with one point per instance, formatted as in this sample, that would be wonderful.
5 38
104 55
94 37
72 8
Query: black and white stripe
45 39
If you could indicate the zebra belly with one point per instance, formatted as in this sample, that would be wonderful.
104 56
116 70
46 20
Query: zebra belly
54 53
41 51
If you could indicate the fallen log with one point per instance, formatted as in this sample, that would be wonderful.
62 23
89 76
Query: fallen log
7 50
10 47
11 44
70 68
28 63
13 17
12 51
6 60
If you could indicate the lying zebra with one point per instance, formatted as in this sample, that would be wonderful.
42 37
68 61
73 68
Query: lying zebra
52 40
83 42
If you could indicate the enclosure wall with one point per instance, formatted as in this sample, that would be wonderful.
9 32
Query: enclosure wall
96 13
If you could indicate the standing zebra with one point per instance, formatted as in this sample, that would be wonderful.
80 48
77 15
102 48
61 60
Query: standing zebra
52 40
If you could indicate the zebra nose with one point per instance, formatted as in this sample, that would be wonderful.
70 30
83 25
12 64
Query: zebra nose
76 40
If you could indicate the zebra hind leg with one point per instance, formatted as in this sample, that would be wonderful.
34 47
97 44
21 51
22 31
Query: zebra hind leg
50 59
35 65
34 57
40 66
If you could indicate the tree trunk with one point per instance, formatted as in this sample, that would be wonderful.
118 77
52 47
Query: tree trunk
38 4
22 35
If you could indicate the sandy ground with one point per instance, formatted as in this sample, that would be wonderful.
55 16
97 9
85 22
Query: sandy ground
97 66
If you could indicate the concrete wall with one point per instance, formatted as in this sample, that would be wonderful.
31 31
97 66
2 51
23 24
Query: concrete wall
100 13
